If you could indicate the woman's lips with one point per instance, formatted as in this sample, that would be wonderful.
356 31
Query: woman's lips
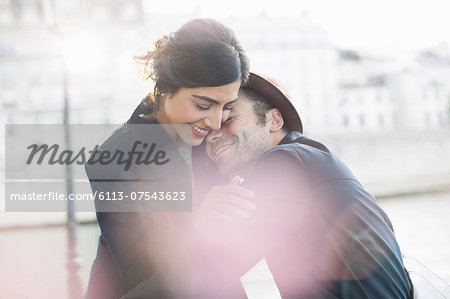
197 131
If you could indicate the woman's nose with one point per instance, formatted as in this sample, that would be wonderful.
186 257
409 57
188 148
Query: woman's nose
214 120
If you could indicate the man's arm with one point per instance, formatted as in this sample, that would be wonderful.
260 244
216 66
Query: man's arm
280 190
229 249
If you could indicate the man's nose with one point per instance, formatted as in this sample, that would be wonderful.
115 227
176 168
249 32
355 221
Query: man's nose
213 136
214 120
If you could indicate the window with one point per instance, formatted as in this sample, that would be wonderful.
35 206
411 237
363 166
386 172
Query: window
441 118
427 118
360 98
436 93
379 96
381 120
6 72
345 120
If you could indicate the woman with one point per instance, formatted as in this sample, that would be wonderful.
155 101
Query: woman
197 72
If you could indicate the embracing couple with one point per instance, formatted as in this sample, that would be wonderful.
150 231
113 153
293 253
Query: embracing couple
261 189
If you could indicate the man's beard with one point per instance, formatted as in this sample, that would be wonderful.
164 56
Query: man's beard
246 152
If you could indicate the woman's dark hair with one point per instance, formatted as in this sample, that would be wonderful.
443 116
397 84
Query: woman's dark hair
202 52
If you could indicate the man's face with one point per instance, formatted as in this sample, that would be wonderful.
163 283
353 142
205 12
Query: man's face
240 141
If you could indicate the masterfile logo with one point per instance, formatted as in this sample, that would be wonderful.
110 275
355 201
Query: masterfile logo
104 168
141 153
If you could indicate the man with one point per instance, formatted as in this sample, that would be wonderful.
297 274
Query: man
299 207
322 234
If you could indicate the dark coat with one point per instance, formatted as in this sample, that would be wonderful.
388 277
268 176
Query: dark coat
131 243
321 233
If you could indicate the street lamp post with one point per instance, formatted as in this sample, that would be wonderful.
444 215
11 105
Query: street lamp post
73 260
57 11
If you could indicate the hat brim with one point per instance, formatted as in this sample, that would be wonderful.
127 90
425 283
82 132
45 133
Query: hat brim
278 99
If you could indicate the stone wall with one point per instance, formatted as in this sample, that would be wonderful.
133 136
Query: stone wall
395 162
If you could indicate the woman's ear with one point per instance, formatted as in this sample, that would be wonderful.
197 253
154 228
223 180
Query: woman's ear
166 95
275 120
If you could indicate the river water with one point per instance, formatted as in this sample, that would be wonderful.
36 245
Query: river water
422 227
33 261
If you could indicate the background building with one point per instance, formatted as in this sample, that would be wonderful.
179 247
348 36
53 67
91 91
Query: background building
42 55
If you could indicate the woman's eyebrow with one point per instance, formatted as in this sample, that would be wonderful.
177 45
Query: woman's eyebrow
211 99
231 102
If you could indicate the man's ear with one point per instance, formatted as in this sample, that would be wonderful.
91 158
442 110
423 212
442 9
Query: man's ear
275 120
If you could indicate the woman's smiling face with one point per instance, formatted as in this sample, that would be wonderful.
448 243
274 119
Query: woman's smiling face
202 108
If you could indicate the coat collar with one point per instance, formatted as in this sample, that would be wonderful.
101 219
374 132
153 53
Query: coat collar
291 137
143 108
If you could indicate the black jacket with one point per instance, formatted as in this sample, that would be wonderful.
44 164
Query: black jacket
321 233
133 239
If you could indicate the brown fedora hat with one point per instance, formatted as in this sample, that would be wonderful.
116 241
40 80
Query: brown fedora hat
276 93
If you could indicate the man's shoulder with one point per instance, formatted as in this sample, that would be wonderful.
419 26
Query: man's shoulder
299 147
312 157
281 162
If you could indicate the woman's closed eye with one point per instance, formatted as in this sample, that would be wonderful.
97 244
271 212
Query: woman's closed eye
228 107
202 106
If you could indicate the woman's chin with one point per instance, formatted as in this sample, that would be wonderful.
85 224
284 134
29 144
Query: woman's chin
191 139
196 141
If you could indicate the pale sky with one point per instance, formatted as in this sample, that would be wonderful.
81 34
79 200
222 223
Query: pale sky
393 24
